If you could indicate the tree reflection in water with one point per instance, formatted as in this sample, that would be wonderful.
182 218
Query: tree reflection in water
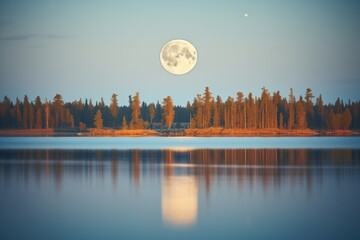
183 173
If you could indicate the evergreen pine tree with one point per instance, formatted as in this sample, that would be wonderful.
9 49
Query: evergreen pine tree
169 113
98 120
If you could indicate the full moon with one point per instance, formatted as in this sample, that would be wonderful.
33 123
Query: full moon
178 56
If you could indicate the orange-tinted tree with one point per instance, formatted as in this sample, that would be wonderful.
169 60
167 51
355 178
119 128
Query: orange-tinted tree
98 120
168 112
136 121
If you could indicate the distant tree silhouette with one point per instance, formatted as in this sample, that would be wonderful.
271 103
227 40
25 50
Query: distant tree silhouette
310 114
18 114
68 121
291 119
158 112
334 120
91 106
230 113
151 112
240 110
338 106
277 108
38 113
88 113
47 113
114 108
264 112
198 112
300 114
207 108
102 103
168 114
136 121
98 120
216 114
58 110
319 110
26 109
252 116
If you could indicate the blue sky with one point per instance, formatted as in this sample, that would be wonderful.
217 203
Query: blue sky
91 49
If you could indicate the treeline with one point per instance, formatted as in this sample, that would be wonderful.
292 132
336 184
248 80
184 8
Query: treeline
243 112
81 114
272 111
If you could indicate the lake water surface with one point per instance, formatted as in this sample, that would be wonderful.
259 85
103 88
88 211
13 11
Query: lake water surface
179 188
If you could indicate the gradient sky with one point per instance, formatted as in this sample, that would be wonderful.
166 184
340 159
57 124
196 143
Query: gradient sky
91 49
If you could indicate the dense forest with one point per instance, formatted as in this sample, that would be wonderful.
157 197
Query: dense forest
243 112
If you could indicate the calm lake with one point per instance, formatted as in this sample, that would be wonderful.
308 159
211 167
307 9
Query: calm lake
179 188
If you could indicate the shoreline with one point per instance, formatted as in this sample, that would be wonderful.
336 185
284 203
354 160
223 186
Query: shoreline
269 132
208 132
